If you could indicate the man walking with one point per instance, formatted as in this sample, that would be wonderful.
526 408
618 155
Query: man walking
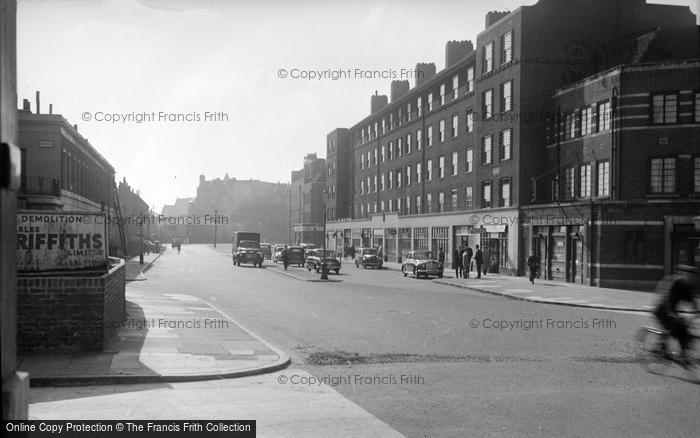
479 260
457 262
285 257
466 261
533 263
441 256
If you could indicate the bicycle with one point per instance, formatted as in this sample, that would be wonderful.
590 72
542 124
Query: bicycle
657 361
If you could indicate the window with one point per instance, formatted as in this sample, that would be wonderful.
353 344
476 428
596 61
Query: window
487 104
470 79
375 156
375 183
442 94
400 116
374 204
455 163
419 106
587 120
398 205
383 126
470 121
399 147
507 47
391 121
391 179
442 130
369 158
665 108
505 200
455 87
391 150
408 143
486 194
408 205
383 156
469 198
441 202
429 202
469 162
488 58
419 206
362 161
603 116
453 205
391 204
419 139
408 175
441 167
486 149
430 102
418 172
381 180
362 187
506 144
507 96
430 135
429 170
570 125
409 115
696 176
455 125
381 206
369 186
604 178
585 180
663 175
569 182
362 210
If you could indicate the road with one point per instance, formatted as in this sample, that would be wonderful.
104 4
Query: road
429 359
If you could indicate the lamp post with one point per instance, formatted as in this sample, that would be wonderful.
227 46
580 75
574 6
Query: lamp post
141 241
324 267
216 217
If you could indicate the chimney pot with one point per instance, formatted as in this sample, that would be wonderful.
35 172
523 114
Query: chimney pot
425 71
38 103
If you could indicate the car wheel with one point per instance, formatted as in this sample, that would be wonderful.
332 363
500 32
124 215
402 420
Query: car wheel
403 269
415 272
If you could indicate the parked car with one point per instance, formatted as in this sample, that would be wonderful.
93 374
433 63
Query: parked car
368 258
314 260
277 253
266 249
295 255
422 263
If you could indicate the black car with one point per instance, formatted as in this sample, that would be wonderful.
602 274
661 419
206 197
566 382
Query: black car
368 258
313 260
422 263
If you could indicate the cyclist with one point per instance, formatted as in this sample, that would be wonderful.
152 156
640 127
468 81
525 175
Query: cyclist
682 289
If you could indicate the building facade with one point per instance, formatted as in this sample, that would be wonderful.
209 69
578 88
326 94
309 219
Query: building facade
307 200
138 222
624 204
462 156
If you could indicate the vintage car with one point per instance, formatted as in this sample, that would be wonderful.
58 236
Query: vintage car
368 258
295 255
422 263
266 249
313 260
248 251
277 253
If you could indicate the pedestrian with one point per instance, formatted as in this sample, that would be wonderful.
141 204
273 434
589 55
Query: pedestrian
441 256
285 257
467 261
457 262
533 263
479 260
352 252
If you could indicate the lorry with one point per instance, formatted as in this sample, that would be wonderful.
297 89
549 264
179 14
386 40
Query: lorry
246 249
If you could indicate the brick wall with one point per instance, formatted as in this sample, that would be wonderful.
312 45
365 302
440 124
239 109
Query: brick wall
64 314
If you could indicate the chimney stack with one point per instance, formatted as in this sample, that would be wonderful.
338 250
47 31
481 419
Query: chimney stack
378 102
456 51
38 103
202 179
26 105
50 108
494 16
398 89
425 71
75 127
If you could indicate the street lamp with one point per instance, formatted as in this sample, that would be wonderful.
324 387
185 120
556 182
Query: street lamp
324 267
141 240
216 216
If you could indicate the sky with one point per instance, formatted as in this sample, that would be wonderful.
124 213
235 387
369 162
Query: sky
122 69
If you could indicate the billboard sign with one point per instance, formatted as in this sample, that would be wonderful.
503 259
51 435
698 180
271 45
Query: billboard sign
61 241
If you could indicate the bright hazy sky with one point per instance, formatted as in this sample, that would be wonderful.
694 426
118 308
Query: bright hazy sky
194 56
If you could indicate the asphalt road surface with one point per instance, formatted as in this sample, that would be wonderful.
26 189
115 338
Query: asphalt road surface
431 360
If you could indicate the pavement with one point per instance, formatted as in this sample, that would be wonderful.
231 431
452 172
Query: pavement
167 337
135 271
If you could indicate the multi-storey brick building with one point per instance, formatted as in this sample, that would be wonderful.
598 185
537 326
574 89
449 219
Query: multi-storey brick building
456 158
307 195
624 187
